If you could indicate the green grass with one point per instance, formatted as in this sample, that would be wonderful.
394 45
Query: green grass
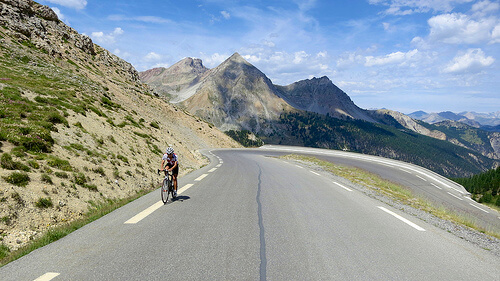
97 211
391 190
19 179
44 203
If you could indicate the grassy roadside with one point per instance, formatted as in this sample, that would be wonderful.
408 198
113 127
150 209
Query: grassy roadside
99 210
389 189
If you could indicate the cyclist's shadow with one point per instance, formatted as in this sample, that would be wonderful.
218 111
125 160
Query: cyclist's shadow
181 198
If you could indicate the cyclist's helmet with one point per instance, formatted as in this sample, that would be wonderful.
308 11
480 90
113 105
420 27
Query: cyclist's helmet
170 150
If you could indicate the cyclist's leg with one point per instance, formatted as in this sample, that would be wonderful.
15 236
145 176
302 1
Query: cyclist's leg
174 177
175 173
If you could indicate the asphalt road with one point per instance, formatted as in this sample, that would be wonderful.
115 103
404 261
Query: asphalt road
251 217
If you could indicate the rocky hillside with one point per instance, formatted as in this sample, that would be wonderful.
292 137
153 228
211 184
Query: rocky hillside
456 132
236 95
320 95
77 126
177 81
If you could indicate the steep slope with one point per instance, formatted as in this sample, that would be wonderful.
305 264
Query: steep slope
175 82
320 95
77 127
236 95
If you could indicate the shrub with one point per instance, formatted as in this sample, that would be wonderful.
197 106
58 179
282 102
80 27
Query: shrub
4 251
99 170
56 118
91 187
19 179
123 158
44 203
46 178
154 124
79 178
7 163
60 164
62 175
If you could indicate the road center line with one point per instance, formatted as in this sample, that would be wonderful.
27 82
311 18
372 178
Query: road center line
299 166
402 219
478 208
184 188
346 188
218 166
404 170
48 276
201 177
455 196
137 218
435 185
315 173
421 178
211 170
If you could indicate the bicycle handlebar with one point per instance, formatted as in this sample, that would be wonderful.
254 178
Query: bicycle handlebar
169 172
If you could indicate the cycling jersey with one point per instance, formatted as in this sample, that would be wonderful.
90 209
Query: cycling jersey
170 160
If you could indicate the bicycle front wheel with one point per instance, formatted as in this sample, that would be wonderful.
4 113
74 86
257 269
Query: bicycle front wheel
164 191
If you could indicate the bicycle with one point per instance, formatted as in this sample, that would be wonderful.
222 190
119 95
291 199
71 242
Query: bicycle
167 187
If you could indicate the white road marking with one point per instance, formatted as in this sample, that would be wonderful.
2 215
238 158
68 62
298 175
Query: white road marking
435 185
421 178
184 188
315 173
402 219
201 177
404 170
211 170
455 196
299 166
48 276
137 218
346 188
478 208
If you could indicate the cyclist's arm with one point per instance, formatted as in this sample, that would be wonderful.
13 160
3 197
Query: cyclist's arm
161 166
174 166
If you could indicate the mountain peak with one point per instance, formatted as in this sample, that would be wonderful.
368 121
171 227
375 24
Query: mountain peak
189 65
237 58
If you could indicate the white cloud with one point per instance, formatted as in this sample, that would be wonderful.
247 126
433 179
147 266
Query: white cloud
458 28
495 35
147 19
214 59
299 57
484 7
76 4
110 38
152 56
58 13
392 58
472 61
408 7
225 14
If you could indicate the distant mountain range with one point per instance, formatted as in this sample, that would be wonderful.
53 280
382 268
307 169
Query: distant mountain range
485 121
314 112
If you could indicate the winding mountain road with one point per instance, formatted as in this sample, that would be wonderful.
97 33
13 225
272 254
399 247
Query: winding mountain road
251 217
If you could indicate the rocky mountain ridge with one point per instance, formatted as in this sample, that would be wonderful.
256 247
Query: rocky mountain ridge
474 119
227 107
77 126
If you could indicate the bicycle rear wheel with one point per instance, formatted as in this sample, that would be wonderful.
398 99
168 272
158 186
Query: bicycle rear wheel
164 191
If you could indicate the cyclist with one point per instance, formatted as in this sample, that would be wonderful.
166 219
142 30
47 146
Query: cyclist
169 162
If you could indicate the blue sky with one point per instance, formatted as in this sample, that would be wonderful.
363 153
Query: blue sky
404 55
